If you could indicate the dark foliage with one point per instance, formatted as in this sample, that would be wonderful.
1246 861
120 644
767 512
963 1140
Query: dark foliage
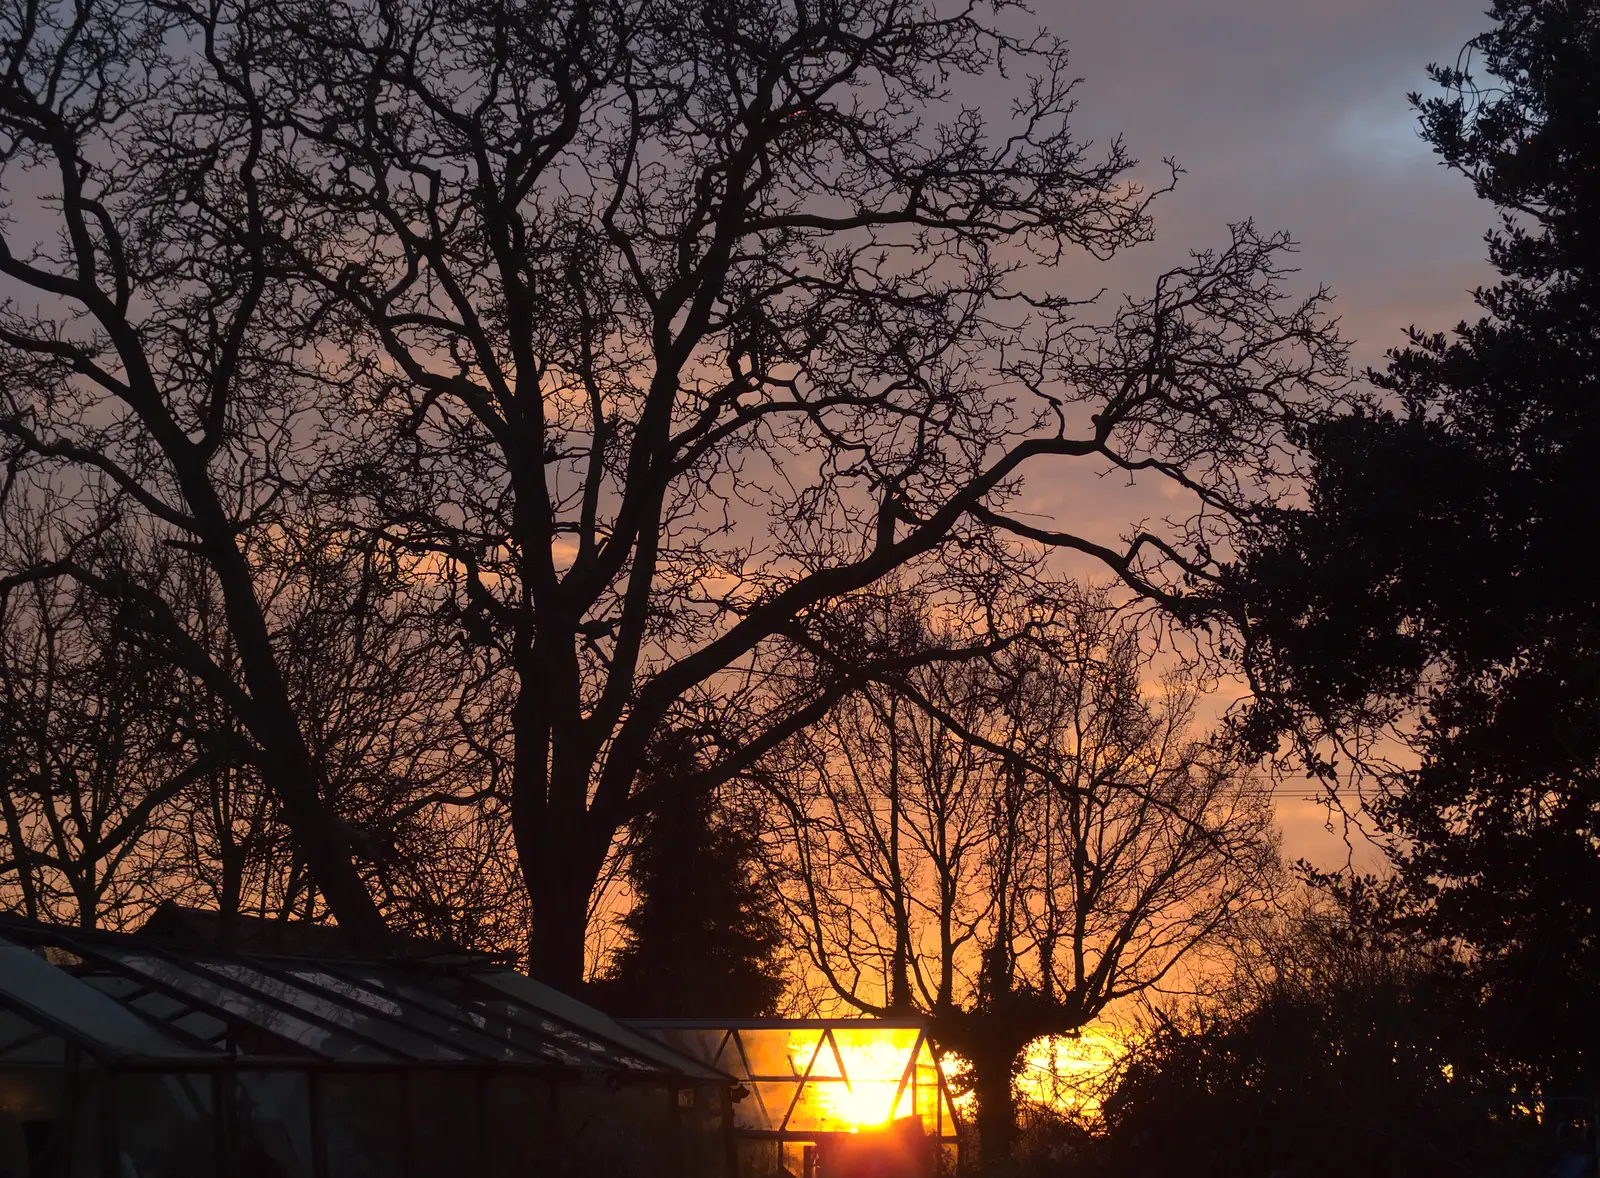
1335 1055
704 933
1446 556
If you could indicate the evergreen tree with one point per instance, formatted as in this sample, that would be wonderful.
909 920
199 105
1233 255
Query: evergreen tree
704 937
1446 559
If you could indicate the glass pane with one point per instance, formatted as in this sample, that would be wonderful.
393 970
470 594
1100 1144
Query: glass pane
30 1134
562 1042
793 1159
450 1013
165 1008
766 1105
25 1042
779 1051
378 1025
86 1145
81 1012
580 1026
359 994
760 1159
875 1061
364 1128
261 1015
921 1097
622 1132
824 1107
164 1126
521 1131
825 1064
727 1058
449 1108
712 1046
470 1036
947 1116
272 1125
876 1053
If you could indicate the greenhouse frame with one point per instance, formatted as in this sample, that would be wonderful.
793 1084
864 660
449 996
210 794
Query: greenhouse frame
823 1092
123 1056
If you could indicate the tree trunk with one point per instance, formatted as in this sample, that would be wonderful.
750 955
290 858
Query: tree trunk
992 1048
287 768
558 874
558 930
323 847
562 835
993 1068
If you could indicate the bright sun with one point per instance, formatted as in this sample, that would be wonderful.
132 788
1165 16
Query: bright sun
864 1078
855 1079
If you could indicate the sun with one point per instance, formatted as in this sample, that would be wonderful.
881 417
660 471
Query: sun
861 1079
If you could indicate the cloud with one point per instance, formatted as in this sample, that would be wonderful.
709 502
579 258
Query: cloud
1294 112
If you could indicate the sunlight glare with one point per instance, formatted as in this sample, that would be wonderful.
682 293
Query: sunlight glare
864 1095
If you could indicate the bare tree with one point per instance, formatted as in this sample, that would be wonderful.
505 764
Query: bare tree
1010 846
125 782
380 687
136 380
680 324
98 751
658 329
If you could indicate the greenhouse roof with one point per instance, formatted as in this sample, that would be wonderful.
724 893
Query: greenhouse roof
138 1002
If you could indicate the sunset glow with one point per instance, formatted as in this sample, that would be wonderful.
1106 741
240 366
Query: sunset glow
865 1078
1068 1072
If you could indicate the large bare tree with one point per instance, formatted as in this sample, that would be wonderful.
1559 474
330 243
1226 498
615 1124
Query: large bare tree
1010 845
658 330
680 324
142 369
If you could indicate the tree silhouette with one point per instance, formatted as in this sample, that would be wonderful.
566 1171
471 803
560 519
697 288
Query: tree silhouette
1444 568
1327 1053
1007 846
642 335
704 934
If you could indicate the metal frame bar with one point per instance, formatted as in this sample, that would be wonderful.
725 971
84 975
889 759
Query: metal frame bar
800 1085
526 1025
802 1136
317 990
744 1059
906 1075
863 1022
444 1012
657 1073
70 1035
167 1023
288 1007
946 1128
116 965
35 1033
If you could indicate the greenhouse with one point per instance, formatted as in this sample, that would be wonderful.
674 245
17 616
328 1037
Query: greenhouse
127 1056
828 1098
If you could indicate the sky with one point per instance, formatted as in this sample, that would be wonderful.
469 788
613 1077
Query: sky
1294 113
